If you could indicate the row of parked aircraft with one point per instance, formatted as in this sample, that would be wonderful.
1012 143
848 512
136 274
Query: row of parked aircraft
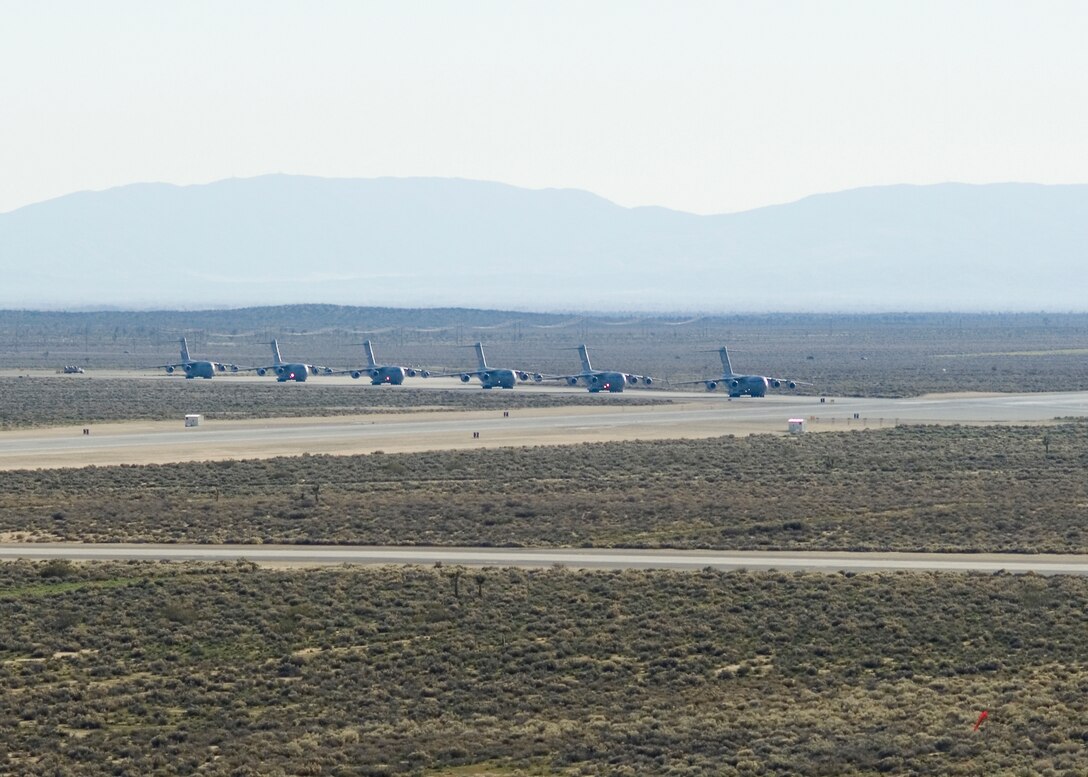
489 377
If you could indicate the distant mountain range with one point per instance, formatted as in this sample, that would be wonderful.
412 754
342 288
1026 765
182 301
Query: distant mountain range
420 242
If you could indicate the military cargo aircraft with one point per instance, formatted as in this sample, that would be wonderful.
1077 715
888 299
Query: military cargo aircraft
739 385
285 371
601 380
493 377
383 374
195 368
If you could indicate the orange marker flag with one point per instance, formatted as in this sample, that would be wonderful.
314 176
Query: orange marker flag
981 719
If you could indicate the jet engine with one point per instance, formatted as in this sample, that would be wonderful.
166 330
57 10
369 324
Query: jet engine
572 381
327 370
792 384
631 379
523 375
734 384
170 370
711 385
375 374
465 377
356 374
776 383
262 371
425 373
188 368
538 378
409 372
485 376
646 379
234 368
220 367
311 369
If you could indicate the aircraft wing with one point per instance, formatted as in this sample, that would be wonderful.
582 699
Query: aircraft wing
571 379
464 375
219 366
409 372
262 368
312 369
696 382
522 375
459 373
563 377
472 373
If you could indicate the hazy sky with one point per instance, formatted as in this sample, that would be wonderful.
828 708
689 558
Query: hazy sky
700 106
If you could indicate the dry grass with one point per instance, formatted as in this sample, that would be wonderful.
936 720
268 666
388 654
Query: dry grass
225 669
909 488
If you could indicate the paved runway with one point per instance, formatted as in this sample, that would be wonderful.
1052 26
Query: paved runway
686 416
579 558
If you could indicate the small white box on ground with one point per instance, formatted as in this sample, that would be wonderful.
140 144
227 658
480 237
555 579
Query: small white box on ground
796 425
193 419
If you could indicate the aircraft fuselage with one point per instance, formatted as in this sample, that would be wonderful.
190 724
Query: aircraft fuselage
295 372
612 382
493 378
382 376
752 385
200 369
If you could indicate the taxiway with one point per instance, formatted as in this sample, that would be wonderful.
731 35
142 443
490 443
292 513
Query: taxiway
684 416
540 558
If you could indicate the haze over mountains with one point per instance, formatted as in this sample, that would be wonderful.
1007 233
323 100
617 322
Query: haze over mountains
449 242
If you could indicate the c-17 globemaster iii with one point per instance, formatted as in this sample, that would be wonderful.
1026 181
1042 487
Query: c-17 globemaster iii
601 380
383 374
196 368
285 371
493 377
739 385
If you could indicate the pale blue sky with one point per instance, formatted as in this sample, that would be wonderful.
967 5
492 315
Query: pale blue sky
701 106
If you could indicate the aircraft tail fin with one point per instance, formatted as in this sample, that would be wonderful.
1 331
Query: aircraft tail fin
184 350
276 352
369 349
480 355
584 354
727 369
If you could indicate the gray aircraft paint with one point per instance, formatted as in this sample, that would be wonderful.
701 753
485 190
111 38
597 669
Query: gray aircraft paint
602 380
285 371
196 368
384 374
741 385
493 377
